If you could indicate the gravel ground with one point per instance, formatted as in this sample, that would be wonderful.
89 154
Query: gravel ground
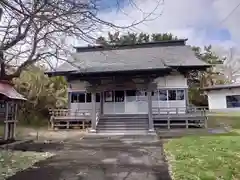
101 158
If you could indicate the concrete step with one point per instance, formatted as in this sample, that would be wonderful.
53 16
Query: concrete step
121 128
116 132
123 120
124 117
122 125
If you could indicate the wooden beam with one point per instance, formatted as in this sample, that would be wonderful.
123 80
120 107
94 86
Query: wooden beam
124 75
101 102
6 127
150 118
93 121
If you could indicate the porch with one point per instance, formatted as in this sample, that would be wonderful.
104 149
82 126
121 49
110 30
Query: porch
162 118
134 101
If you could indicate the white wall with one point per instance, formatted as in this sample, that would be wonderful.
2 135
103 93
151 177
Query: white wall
77 85
217 99
173 81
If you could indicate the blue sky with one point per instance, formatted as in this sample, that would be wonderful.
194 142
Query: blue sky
221 34
203 22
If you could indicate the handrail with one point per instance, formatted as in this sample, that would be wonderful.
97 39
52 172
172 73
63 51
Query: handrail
178 110
68 112
97 117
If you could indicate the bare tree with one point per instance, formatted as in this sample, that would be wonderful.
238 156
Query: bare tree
37 30
231 67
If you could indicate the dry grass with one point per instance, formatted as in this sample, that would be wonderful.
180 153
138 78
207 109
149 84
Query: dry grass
14 161
45 134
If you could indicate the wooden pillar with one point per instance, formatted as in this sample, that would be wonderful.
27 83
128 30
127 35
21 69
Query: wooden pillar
150 118
6 127
93 122
187 99
69 99
15 120
101 102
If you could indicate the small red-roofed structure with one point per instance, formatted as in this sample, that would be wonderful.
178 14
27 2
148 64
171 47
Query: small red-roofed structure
9 100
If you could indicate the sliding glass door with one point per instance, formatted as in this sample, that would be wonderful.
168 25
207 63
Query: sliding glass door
114 102
125 102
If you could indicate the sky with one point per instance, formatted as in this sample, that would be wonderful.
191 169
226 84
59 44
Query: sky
202 22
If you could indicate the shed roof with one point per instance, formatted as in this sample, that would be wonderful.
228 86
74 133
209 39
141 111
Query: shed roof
146 56
222 86
9 91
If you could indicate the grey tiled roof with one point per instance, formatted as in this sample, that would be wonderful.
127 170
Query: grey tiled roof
145 58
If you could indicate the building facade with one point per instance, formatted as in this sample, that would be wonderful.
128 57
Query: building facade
149 78
171 91
223 98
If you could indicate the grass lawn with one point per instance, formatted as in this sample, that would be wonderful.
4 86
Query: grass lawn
211 157
13 161
220 119
204 158
1 130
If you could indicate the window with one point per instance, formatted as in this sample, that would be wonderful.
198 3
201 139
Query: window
180 94
233 101
162 95
155 95
131 93
108 96
119 96
172 95
81 97
98 97
89 97
74 97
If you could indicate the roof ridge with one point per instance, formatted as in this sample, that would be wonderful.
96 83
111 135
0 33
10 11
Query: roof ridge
166 43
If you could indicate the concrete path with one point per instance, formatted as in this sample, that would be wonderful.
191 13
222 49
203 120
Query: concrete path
103 158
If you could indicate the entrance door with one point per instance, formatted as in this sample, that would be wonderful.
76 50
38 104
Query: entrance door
142 104
131 106
119 102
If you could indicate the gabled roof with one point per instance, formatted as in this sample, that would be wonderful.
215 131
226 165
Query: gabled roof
145 56
221 86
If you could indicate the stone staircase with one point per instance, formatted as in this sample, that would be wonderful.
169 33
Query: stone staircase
123 123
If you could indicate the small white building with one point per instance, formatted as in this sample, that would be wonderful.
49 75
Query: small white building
223 97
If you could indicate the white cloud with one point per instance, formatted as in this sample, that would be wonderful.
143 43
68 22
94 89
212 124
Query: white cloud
190 19
178 17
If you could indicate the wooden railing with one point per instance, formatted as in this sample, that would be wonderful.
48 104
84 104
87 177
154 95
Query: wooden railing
68 112
176 117
178 110
97 117
68 118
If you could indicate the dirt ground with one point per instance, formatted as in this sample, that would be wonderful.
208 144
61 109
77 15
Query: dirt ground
99 158
48 135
